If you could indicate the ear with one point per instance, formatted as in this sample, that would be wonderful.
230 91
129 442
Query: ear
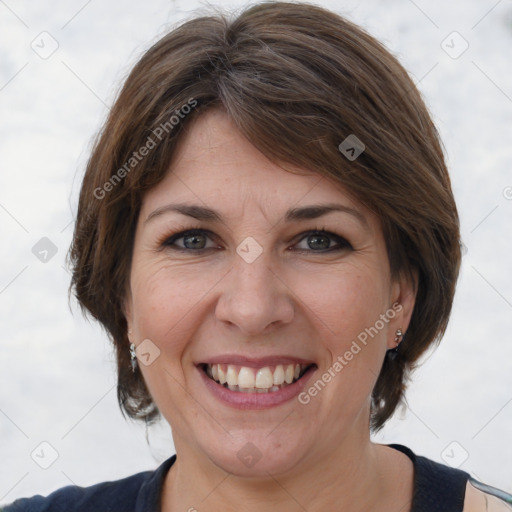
403 299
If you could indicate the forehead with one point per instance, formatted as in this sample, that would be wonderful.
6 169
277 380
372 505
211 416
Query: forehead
214 164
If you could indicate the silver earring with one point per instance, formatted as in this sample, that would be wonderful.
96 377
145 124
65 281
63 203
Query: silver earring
392 353
398 337
133 357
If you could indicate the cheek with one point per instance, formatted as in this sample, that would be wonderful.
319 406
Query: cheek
164 303
343 306
345 302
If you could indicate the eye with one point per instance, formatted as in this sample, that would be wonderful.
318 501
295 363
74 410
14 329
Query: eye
322 241
191 240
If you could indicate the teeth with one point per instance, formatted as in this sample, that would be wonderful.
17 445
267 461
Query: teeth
232 376
251 380
246 378
279 375
221 374
288 374
264 378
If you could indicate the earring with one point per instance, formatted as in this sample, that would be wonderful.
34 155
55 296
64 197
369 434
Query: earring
398 337
133 357
392 353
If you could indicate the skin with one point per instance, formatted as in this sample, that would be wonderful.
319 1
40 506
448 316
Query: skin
478 501
292 300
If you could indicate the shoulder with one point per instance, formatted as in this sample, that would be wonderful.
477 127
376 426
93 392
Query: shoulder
440 487
483 498
119 495
139 493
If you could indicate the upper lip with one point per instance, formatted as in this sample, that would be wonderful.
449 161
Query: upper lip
255 362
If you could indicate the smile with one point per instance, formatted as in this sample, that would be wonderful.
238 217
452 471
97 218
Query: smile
245 379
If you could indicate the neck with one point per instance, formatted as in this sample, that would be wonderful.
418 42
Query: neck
355 478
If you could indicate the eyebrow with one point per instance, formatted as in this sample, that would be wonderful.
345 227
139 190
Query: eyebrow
293 214
316 211
196 212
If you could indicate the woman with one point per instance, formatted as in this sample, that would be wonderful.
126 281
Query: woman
267 231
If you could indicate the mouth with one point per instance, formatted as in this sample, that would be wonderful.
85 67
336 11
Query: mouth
261 380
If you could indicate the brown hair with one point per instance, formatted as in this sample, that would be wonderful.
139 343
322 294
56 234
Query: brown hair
297 80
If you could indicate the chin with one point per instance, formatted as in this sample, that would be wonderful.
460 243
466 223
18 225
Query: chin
259 454
258 457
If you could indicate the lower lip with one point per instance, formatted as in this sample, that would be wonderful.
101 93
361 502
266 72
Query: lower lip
240 400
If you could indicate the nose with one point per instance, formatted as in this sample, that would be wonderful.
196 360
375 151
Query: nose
254 298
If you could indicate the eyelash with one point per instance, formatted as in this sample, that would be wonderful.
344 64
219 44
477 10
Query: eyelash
340 243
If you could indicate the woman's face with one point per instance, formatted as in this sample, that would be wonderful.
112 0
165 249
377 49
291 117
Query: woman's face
244 276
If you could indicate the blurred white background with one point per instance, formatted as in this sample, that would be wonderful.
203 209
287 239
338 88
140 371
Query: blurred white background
57 377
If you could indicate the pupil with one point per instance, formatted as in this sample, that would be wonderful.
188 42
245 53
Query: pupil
318 242
194 242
